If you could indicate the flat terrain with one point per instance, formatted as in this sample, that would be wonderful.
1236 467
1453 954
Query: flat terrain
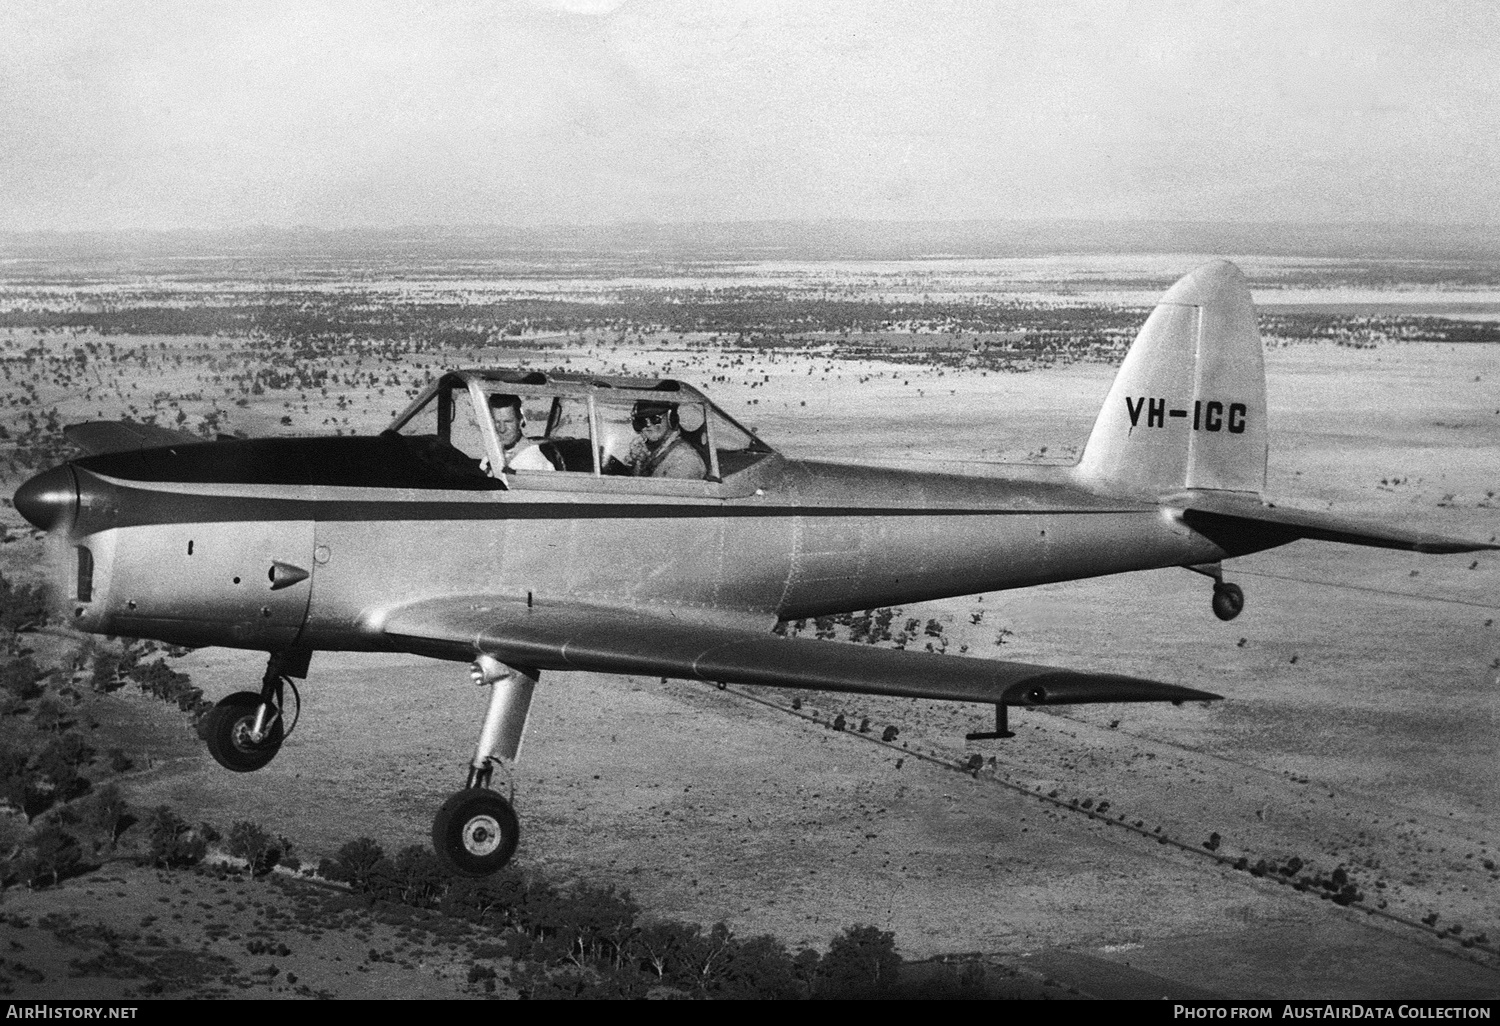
1098 849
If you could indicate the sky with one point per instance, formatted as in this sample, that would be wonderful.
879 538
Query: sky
388 113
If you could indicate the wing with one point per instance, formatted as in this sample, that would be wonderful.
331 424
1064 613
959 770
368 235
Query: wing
1234 514
104 436
611 640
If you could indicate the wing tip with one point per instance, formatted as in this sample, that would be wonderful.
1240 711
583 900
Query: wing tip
1068 688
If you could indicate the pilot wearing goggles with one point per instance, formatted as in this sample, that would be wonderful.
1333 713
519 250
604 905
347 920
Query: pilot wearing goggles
658 449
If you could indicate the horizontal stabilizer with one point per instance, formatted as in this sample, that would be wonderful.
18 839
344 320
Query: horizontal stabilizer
1224 516
607 640
104 436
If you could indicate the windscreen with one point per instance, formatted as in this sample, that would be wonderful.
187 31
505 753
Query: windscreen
734 447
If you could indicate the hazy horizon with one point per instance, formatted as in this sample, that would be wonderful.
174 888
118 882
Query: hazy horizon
757 240
128 115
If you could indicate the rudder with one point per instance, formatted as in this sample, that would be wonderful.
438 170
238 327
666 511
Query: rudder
1188 406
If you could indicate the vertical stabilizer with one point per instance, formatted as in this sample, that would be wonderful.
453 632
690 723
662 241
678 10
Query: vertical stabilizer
1188 407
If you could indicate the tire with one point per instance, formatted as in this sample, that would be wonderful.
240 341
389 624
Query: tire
1228 602
476 832
226 728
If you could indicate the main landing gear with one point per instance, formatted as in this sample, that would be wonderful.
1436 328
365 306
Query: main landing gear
476 831
1229 599
245 731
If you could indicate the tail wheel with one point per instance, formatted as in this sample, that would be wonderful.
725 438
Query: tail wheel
476 831
1229 601
228 728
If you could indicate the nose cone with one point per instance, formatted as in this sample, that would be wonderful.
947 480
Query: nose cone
50 499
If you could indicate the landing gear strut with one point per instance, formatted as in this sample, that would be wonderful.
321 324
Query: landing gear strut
245 731
1229 599
476 831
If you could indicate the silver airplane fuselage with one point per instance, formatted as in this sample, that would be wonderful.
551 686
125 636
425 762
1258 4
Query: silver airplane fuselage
276 566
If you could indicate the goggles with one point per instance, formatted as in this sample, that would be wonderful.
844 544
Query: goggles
643 420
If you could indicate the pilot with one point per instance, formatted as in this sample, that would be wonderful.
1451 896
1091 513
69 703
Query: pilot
521 453
658 449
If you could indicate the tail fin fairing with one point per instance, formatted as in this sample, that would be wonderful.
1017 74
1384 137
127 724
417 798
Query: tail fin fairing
1188 407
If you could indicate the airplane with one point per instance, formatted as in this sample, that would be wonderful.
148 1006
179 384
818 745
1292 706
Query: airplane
406 542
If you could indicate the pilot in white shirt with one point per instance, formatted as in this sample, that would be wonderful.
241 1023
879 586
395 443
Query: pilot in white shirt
521 453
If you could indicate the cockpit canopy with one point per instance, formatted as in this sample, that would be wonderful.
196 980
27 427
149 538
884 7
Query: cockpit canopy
580 423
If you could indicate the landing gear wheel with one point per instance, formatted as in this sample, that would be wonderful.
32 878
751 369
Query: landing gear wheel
476 831
1229 600
227 726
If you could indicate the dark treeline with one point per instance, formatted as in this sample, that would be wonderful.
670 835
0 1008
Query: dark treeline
720 311
759 316
1367 330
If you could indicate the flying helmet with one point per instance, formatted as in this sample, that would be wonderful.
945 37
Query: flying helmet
646 412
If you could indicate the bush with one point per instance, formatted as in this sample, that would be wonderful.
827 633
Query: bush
62 759
286 858
490 898
947 982
355 862
14 777
417 878
14 836
161 680
535 982
111 671
484 975
249 842
22 678
760 967
716 964
33 784
102 816
665 952
172 842
23 607
861 962
52 714
583 926
55 854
